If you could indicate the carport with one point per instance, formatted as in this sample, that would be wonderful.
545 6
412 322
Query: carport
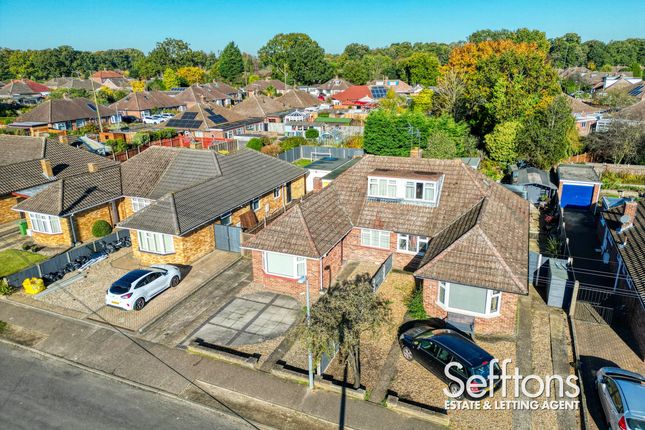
579 186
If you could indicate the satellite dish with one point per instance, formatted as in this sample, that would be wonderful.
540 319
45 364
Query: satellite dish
625 219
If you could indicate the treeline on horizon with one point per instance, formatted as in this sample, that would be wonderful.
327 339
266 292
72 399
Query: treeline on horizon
309 64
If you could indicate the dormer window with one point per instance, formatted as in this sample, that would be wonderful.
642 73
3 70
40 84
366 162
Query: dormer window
382 188
421 191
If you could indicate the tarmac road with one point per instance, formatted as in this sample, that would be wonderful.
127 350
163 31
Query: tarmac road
42 393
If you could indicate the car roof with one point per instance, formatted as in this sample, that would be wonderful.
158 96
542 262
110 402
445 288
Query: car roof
132 276
633 392
468 351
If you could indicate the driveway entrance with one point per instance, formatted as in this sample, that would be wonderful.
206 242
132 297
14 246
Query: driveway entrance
250 319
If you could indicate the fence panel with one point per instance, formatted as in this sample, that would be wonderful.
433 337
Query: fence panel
382 272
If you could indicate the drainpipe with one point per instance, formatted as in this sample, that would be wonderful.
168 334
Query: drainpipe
321 274
72 229
620 267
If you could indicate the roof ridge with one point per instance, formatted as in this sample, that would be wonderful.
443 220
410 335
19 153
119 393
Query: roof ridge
499 256
175 216
61 191
307 231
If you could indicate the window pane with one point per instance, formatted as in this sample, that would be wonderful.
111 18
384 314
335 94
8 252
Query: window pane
55 224
423 244
384 239
403 242
301 266
382 184
467 298
494 302
168 245
419 190
409 190
428 192
280 264
391 189
442 293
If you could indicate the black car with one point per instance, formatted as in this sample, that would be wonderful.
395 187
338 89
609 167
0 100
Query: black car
434 348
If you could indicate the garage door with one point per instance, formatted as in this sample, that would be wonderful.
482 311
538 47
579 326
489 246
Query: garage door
576 196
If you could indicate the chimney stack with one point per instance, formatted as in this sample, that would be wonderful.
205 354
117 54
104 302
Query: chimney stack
318 184
46 165
629 213
92 167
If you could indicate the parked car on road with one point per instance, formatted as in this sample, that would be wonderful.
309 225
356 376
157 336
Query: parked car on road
137 287
435 347
622 395
152 119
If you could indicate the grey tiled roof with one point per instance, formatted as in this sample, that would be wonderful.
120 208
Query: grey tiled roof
478 232
633 252
60 110
258 106
75 193
145 100
20 162
245 175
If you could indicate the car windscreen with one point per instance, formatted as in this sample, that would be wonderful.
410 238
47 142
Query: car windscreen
484 369
119 289
635 424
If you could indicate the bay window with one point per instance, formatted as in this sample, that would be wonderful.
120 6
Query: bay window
469 300
288 266
411 244
375 238
156 243
47 224
139 203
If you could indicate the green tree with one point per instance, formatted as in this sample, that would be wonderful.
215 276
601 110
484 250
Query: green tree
170 53
312 133
356 51
622 143
548 135
597 53
231 63
170 79
302 57
255 143
191 75
347 312
422 102
568 50
636 70
101 228
60 93
421 68
501 143
393 102
355 72
378 66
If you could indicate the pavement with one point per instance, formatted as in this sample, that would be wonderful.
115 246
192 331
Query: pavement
254 395
39 393
250 319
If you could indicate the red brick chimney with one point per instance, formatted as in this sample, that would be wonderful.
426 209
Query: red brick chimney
416 152
92 167
318 185
46 165
629 214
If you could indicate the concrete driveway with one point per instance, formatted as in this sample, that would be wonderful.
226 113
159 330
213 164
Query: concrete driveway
250 319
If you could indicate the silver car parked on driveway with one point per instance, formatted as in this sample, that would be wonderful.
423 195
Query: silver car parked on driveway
137 287
622 395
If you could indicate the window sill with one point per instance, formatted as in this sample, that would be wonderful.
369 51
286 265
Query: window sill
157 253
284 277
468 313
44 232
375 247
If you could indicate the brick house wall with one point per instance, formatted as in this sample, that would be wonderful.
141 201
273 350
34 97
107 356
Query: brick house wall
288 286
83 221
124 207
331 265
53 240
6 214
188 248
353 250
504 324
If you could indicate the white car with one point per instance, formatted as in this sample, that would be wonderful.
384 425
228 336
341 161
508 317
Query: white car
153 119
136 288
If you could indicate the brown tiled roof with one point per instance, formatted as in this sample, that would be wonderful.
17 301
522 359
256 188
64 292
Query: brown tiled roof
578 106
70 82
222 87
635 112
335 84
298 99
633 252
105 74
478 231
262 85
146 100
75 193
61 110
258 106
200 94
23 87
20 162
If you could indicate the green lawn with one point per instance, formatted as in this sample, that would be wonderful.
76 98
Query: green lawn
13 260
303 162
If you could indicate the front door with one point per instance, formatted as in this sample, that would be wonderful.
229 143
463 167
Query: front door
289 192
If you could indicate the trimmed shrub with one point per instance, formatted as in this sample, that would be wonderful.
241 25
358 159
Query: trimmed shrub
292 142
255 143
415 305
312 133
272 150
140 139
5 290
101 228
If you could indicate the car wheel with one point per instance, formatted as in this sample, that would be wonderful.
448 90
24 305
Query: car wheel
454 389
407 353
174 281
139 304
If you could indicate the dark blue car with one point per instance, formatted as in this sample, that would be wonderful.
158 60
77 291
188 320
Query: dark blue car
434 348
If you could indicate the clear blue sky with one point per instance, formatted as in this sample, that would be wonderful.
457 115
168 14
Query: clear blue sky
210 24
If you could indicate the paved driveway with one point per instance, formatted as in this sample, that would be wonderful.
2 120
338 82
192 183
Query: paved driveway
250 319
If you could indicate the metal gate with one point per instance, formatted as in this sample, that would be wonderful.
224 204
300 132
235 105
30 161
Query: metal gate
228 238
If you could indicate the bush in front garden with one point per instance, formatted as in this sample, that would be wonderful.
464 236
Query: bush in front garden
101 228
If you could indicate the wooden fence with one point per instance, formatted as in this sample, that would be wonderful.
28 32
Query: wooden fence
178 142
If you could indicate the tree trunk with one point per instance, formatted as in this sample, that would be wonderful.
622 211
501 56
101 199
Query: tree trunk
354 360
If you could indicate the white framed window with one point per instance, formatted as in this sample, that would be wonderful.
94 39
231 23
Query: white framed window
60 126
382 187
225 219
421 191
467 300
285 265
139 203
47 224
276 193
156 243
255 204
375 238
411 244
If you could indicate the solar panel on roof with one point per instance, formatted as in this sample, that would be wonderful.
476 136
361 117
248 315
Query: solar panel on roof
184 123
217 118
636 91
378 92
189 115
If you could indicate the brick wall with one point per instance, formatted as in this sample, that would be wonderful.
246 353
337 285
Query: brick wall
353 250
54 240
188 248
83 221
124 206
504 324
6 214
332 264
287 286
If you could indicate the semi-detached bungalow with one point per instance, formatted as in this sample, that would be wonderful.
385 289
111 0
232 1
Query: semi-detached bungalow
464 237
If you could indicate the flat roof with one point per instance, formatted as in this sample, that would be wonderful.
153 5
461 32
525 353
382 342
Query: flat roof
405 174
333 120
337 172
577 172
327 163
